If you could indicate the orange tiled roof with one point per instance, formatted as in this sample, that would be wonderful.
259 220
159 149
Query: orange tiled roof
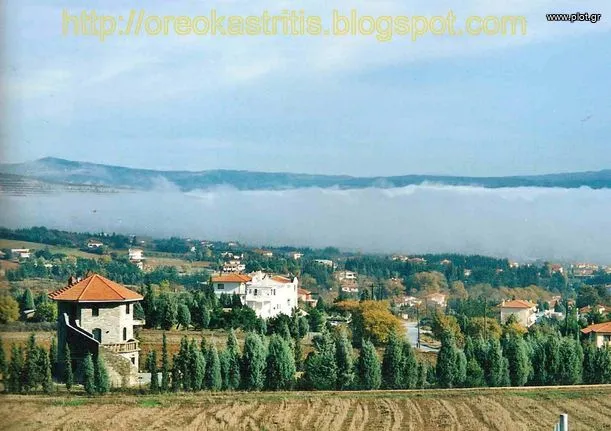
517 303
301 291
95 288
281 279
231 278
599 327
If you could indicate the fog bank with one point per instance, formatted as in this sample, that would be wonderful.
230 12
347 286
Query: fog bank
520 223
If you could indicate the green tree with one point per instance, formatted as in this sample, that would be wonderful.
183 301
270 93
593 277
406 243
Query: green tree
571 362
3 363
224 361
165 365
88 375
176 377
409 366
45 365
53 356
27 300
45 312
422 372
392 363
495 370
213 378
298 354
516 352
552 359
344 360
590 371
9 309
199 370
320 366
151 365
100 376
280 364
253 363
184 316
167 311
15 370
447 359
68 375
369 369
474 375
234 361
31 375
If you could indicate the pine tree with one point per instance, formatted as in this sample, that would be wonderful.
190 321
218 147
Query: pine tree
27 300
409 366
516 352
89 374
165 365
285 332
68 376
15 370
392 362
45 364
344 360
151 365
234 362
183 316
213 379
280 365
253 362
475 374
369 369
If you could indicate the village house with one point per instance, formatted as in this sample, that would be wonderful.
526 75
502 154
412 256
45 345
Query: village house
409 301
524 311
599 333
136 257
96 315
21 253
269 295
94 243
295 255
346 275
436 300
600 309
233 266
325 262
305 296
265 253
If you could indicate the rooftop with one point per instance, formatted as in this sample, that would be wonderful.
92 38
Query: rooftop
517 303
231 278
599 327
95 288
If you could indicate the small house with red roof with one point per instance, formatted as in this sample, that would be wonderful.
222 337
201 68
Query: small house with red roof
524 311
96 315
600 333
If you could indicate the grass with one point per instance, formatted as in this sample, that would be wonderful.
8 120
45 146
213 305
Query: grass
10 243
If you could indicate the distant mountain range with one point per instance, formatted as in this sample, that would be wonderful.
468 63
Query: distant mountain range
67 173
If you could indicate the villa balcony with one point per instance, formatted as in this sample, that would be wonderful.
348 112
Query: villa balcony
127 347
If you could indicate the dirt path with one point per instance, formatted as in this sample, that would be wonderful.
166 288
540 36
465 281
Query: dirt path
589 408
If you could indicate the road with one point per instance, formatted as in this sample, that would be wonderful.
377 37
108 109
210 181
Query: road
411 329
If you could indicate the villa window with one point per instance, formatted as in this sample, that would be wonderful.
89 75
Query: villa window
95 311
220 286
255 292
124 334
97 334
127 308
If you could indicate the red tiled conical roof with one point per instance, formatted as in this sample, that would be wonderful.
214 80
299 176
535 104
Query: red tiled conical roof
95 288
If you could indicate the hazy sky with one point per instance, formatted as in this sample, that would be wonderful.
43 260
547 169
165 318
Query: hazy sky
471 105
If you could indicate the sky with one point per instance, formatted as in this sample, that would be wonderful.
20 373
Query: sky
484 105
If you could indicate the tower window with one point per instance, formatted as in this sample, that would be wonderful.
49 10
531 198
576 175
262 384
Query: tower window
127 308
124 334
95 311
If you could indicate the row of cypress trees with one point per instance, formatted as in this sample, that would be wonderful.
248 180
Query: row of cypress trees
32 368
517 361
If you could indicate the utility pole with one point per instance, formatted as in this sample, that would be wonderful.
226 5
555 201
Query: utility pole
418 325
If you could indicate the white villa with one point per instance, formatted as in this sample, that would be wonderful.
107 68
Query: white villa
269 295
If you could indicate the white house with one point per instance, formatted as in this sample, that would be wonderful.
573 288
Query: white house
269 295
325 262
436 299
22 253
524 311
346 275
94 243
233 266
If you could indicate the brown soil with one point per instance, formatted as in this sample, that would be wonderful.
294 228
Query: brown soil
589 408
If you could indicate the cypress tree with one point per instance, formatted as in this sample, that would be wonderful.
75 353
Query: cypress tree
3 364
446 362
392 362
176 377
516 352
495 371
68 375
165 365
199 371
280 364
53 356
552 360
192 366
409 366
344 360
151 365
45 364
213 379
590 372
101 380
603 365
233 359
253 362
320 365
475 374
89 375
15 370
182 360
298 353
369 369
27 300
31 374
224 361
461 369
422 372
571 362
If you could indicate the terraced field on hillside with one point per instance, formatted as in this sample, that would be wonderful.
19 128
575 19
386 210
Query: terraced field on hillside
589 408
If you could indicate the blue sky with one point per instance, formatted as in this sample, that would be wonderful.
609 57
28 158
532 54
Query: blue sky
465 106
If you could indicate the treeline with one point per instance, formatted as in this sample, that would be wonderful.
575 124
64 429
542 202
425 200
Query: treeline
62 238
